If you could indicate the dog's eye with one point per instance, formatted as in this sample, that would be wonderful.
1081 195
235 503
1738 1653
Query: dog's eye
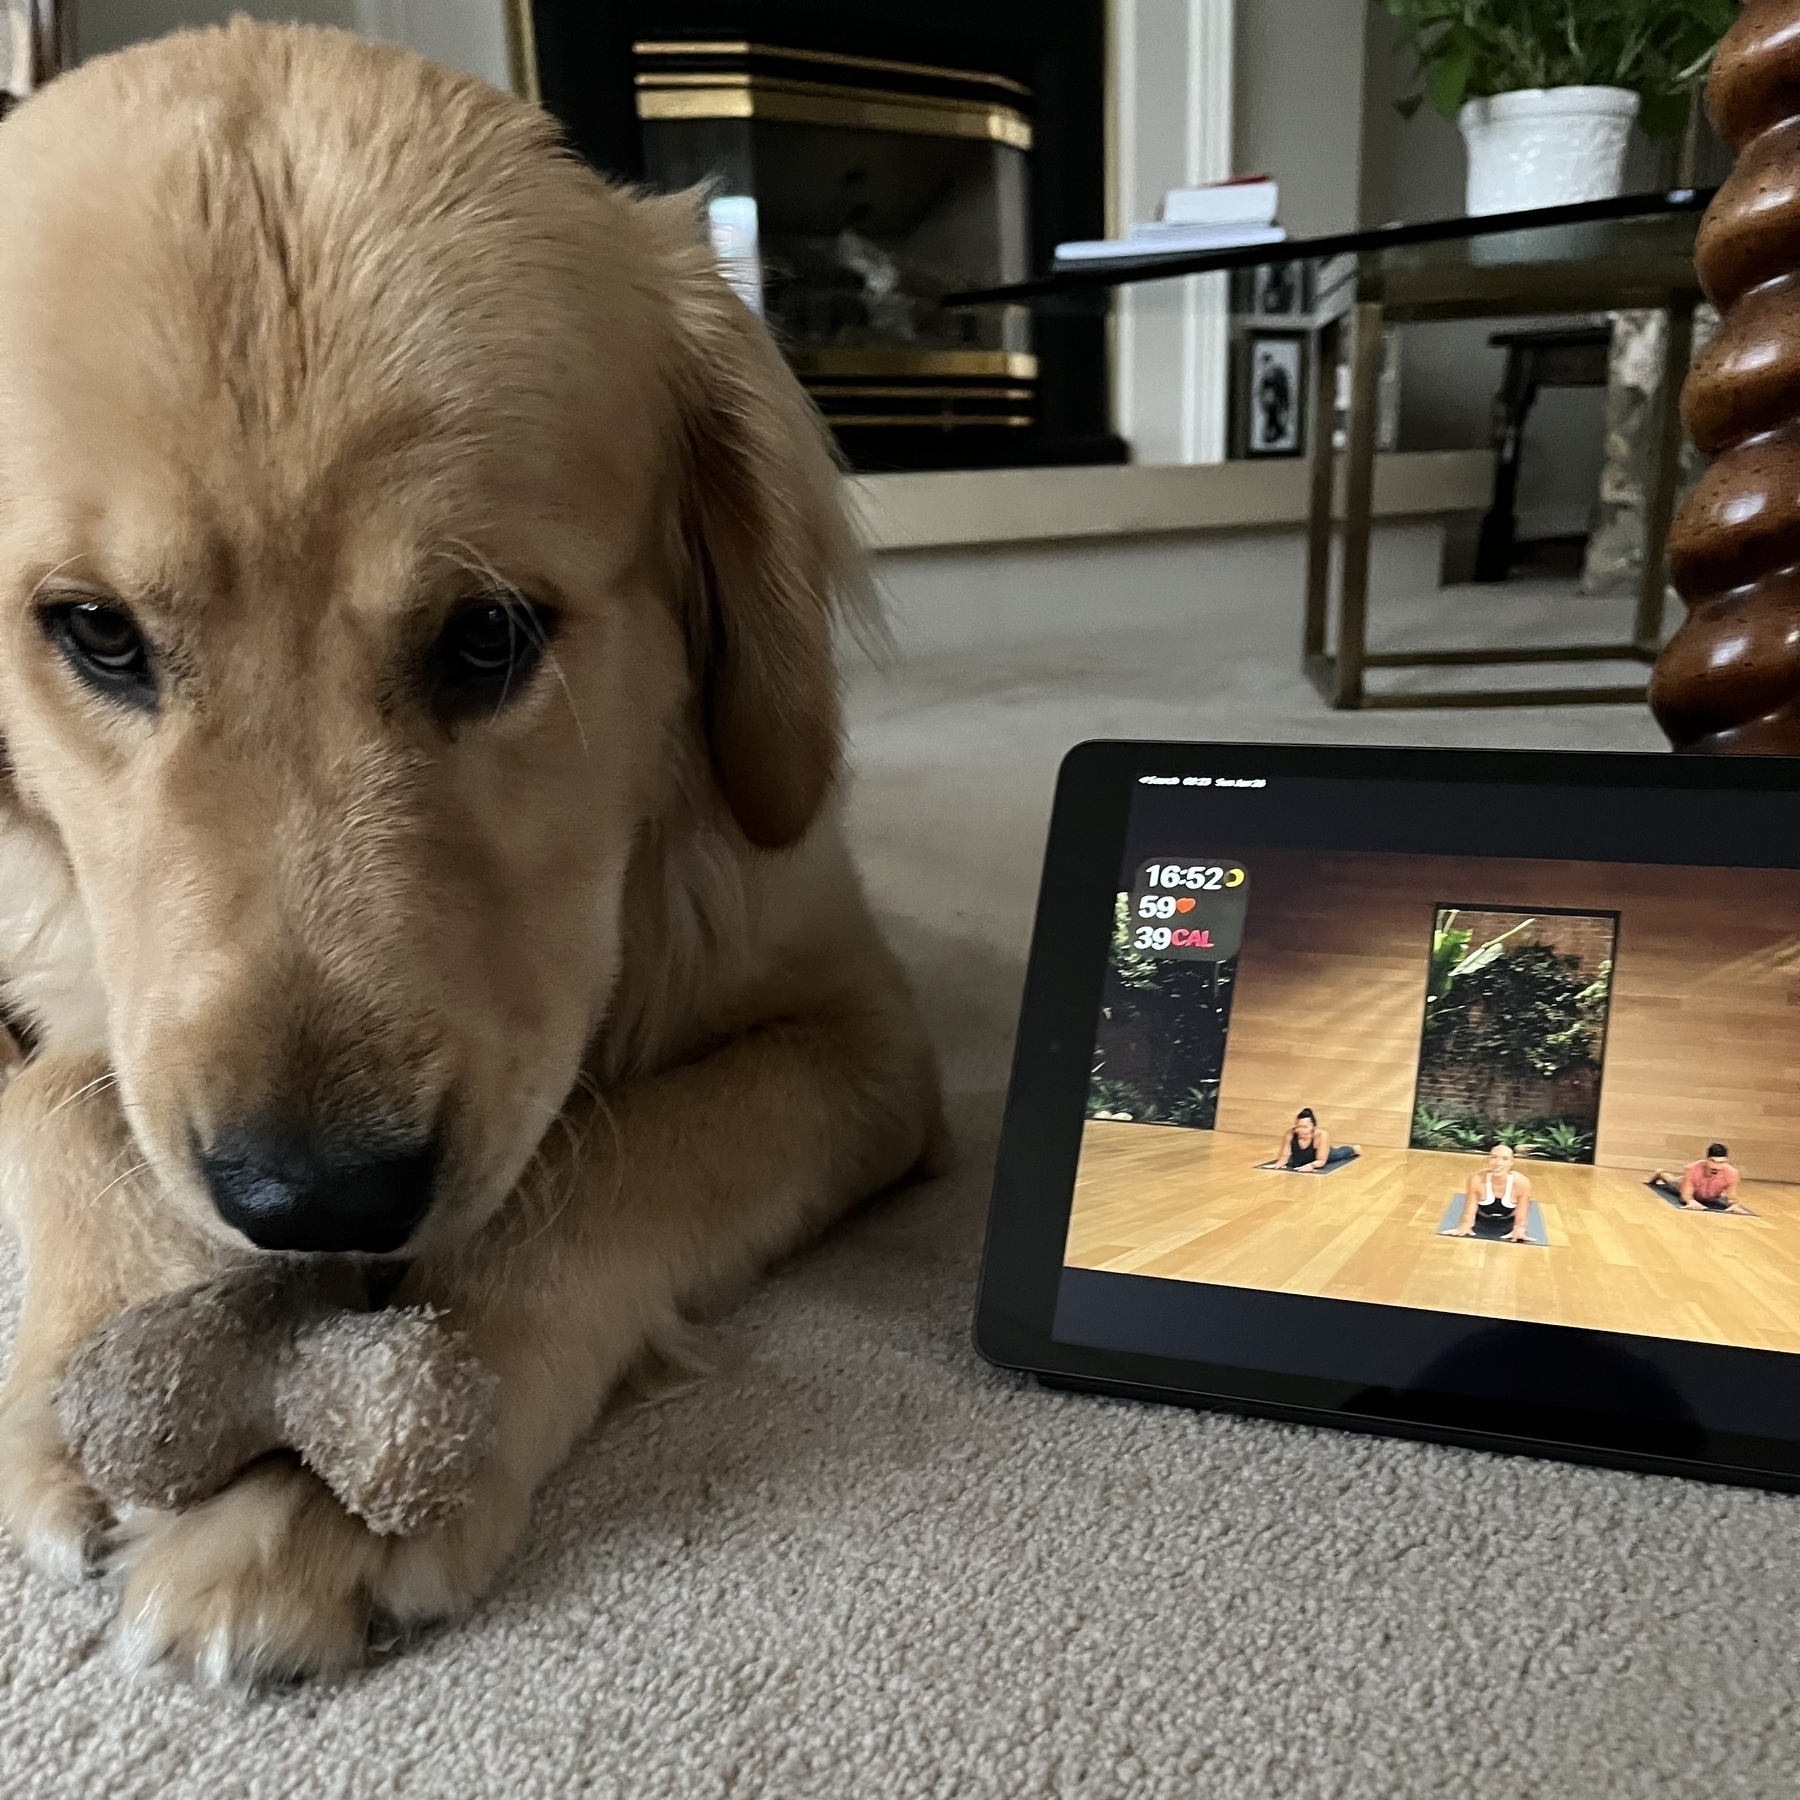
486 639
104 647
486 654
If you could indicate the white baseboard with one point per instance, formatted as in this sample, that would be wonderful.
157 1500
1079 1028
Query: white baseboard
983 596
941 510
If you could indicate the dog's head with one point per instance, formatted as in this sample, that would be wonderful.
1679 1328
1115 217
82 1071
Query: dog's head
392 515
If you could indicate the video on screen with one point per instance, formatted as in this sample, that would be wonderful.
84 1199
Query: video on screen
1534 1090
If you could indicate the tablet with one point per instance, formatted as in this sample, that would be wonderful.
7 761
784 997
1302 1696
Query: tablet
1447 1093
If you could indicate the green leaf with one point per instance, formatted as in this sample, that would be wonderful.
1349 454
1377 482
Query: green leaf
1465 47
1450 80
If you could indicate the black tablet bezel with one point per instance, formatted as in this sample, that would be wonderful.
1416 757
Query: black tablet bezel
1022 1262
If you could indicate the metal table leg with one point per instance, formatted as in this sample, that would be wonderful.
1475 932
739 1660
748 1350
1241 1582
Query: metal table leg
1494 547
1665 467
1327 347
1359 507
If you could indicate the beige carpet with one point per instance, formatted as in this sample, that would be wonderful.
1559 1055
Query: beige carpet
862 1563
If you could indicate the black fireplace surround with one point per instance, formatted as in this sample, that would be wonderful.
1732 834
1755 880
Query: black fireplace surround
588 75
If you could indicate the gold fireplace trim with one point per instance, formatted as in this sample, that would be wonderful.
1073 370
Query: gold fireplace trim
1010 365
876 65
849 390
744 94
932 421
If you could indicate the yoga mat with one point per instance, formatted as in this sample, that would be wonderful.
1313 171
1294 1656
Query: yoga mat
1343 1162
1673 1198
1493 1234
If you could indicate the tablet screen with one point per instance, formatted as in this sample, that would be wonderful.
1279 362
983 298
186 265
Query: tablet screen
1449 1054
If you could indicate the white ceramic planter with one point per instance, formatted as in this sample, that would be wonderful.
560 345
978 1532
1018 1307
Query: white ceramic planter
1546 146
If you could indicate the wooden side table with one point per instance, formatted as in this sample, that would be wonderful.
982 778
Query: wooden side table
1536 358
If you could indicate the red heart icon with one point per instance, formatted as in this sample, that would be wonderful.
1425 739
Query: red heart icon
1185 904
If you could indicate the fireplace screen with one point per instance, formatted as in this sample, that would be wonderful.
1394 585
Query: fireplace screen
850 195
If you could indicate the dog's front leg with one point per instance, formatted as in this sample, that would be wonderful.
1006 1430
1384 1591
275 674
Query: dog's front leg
92 1247
682 1187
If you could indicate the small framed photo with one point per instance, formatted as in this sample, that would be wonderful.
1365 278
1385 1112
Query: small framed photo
1273 397
1278 290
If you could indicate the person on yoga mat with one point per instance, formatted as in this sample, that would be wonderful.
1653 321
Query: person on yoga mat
1709 1185
1499 1195
1307 1147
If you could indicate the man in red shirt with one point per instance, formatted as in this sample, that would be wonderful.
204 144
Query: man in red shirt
1709 1185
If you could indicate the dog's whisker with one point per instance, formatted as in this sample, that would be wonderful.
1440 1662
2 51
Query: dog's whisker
49 575
557 1196
562 682
109 1079
536 1177
576 1141
604 1109
137 1168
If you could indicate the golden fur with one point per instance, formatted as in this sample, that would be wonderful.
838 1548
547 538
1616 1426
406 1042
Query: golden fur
305 341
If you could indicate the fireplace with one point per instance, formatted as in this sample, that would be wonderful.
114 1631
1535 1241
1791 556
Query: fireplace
863 161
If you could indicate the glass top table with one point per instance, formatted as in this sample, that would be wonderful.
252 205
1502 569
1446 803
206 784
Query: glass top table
1634 252
1633 228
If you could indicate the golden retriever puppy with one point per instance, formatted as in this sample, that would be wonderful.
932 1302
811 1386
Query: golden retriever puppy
417 579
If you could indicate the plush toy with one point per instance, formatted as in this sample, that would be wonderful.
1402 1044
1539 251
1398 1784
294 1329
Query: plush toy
176 1395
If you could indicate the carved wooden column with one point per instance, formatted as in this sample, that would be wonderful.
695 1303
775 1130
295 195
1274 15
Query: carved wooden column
1729 679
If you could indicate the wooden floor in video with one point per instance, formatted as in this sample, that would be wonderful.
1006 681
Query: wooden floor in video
1160 1200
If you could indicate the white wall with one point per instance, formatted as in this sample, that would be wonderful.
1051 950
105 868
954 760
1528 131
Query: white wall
1203 89
1170 68
1215 582
1299 106
111 24
467 34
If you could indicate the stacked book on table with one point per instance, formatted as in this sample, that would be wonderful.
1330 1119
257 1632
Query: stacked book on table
1227 215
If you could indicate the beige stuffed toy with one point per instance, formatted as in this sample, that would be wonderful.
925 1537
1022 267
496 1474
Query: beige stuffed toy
388 1407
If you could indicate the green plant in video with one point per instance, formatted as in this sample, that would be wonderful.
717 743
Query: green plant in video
1546 1139
1563 1140
1513 1032
1111 1098
1198 1107
1434 1130
1661 49
1160 1046
1526 1012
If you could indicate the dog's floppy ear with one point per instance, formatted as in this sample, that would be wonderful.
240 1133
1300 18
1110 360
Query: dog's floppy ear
770 554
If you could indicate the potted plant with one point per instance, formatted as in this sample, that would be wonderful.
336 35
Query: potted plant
1545 91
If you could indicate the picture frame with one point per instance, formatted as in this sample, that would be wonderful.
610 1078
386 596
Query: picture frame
1273 393
1278 290
1274 290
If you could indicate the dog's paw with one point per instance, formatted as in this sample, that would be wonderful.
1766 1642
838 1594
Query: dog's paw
46 1505
443 1572
270 1580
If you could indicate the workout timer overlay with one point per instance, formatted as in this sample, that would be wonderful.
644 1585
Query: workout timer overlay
1611 1020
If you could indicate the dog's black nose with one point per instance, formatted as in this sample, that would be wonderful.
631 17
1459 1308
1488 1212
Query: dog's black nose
298 1191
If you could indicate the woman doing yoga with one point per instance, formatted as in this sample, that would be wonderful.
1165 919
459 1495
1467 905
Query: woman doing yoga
1307 1149
1499 1195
